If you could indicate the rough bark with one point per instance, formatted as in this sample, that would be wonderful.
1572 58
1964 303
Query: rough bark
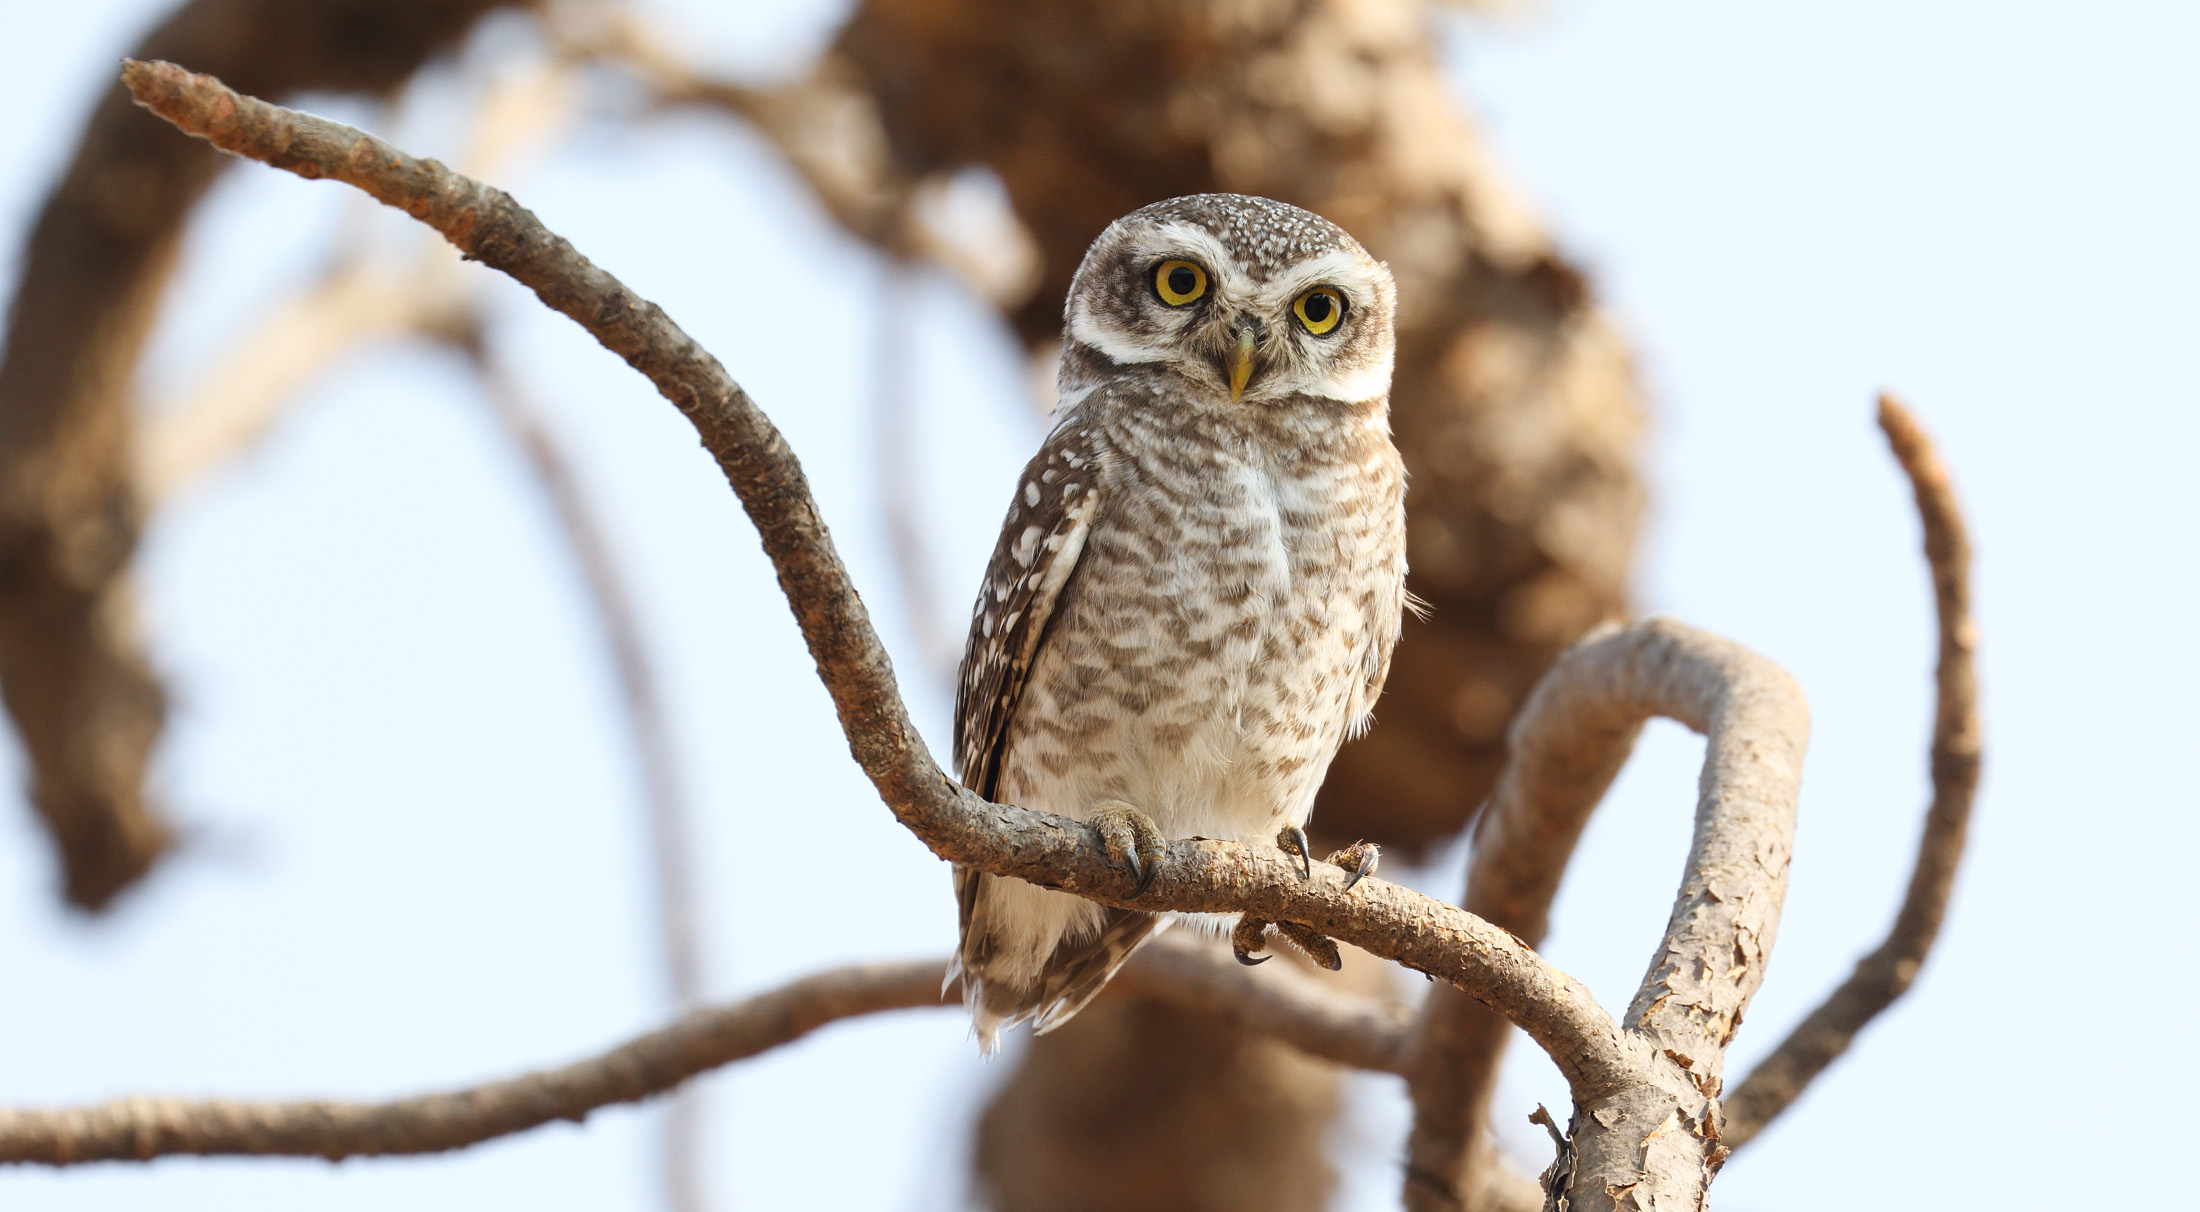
1514 404
83 698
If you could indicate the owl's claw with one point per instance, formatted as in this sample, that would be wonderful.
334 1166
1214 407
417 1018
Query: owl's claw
1248 939
1292 840
1317 946
1131 838
1359 858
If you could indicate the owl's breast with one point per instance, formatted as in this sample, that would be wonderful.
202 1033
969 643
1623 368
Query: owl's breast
1206 664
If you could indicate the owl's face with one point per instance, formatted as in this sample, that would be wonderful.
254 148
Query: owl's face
1253 300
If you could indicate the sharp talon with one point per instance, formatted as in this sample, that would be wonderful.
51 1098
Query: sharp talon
1359 858
1293 841
1249 936
1132 839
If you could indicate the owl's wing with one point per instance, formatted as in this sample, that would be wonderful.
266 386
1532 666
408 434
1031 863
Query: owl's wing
1042 541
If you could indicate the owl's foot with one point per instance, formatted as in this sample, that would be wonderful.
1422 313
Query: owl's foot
1249 939
1317 946
1132 839
1291 839
1359 858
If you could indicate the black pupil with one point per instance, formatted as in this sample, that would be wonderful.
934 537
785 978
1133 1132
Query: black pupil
1317 308
1182 280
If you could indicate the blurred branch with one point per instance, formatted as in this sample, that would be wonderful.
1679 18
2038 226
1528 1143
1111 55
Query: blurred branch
1342 1028
1644 1117
238 402
828 128
1957 747
139 1129
664 796
88 708
895 458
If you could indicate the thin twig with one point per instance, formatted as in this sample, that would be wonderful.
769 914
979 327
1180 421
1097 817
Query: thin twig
135 1129
1344 1028
1958 745
666 806
894 462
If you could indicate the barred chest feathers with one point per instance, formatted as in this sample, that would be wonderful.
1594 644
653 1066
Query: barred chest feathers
1229 627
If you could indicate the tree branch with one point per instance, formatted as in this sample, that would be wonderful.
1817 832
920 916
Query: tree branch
1958 745
1348 1030
1568 743
139 1129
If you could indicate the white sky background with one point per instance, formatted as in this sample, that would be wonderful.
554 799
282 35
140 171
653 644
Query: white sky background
417 858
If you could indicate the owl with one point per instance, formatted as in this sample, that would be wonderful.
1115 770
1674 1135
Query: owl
1198 585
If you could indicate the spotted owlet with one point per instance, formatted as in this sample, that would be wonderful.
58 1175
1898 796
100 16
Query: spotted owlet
1198 585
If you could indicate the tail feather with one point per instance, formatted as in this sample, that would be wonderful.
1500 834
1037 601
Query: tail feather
1000 992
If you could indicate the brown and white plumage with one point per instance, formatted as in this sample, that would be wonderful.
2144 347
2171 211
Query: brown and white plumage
1196 589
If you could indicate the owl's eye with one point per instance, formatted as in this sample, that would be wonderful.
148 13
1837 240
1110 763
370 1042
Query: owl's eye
1179 282
1319 310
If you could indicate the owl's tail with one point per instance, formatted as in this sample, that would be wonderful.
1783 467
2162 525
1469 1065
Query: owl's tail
1032 954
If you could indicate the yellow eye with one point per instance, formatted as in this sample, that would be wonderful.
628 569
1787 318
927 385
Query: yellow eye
1319 310
1179 282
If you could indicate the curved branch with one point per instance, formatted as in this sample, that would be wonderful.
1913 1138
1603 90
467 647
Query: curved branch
1958 745
1346 1029
1568 743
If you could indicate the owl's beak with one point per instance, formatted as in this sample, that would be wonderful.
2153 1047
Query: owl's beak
1241 359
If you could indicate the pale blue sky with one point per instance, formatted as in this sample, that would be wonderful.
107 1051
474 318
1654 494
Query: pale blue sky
416 860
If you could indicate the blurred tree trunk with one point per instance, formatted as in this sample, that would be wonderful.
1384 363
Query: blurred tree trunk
1515 404
82 695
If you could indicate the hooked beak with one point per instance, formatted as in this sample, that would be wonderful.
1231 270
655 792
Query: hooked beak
1240 359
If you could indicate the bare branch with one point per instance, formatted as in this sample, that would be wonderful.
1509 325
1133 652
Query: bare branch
1568 743
244 394
1346 1029
894 472
666 809
138 1129
1958 744
1199 875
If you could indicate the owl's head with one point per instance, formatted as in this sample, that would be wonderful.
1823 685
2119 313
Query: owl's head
1258 300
